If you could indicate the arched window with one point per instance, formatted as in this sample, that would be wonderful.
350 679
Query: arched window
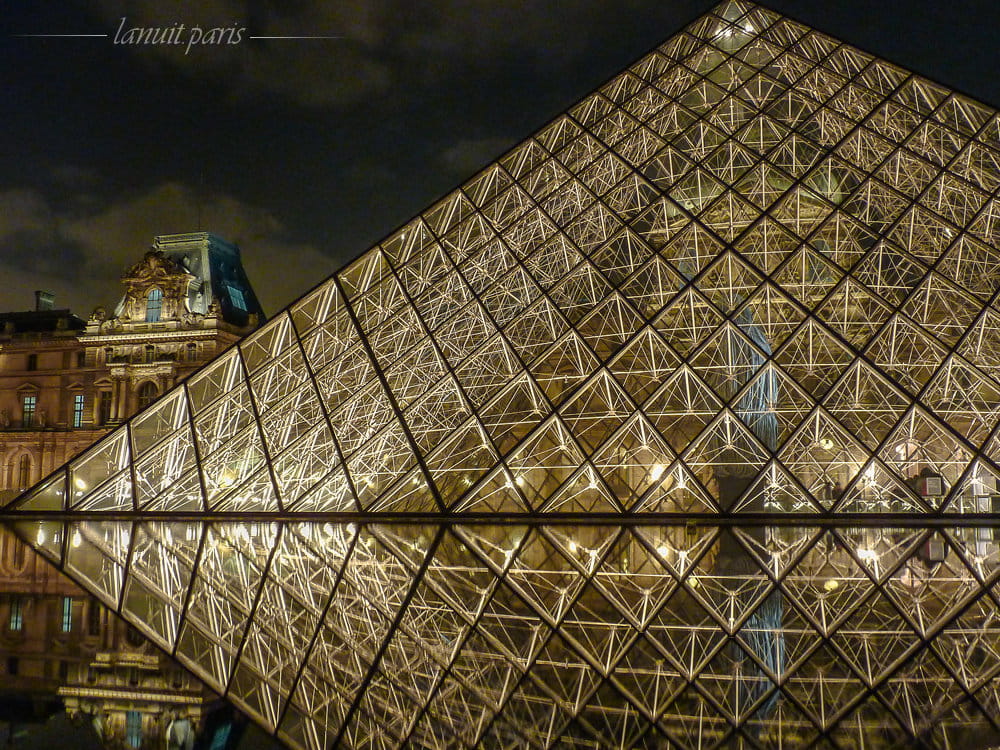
154 303
147 393
24 471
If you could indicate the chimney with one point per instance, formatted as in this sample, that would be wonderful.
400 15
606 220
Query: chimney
44 301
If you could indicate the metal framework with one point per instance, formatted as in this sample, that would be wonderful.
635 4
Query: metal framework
676 427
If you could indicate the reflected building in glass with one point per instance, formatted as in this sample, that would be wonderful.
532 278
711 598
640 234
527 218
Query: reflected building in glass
676 426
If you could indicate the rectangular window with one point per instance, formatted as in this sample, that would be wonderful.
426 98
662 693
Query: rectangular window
154 305
16 613
78 410
94 618
13 665
220 740
104 407
32 362
133 729
67 614
28 404
236 297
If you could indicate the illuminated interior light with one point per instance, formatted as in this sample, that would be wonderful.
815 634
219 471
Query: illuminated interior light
663 550
77 540
826 443
40 537
519 481
868 554
831 584
656 472
573 547
79 484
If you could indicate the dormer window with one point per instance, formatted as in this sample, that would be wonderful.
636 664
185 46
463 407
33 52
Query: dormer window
154 304
236 298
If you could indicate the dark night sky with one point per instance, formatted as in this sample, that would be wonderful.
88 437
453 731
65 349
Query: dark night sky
306 152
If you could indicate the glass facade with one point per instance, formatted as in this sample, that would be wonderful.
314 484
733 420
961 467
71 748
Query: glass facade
676 426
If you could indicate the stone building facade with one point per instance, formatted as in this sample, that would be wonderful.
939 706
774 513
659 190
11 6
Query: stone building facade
64 382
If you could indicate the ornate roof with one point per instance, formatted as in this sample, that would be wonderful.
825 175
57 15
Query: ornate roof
676 426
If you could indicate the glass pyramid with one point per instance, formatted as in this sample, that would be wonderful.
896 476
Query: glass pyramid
676 427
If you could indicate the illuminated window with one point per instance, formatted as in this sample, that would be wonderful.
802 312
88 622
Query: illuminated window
154 304
67 614
147 394
133 729
28 404
78 410
220 740
16 614
236 297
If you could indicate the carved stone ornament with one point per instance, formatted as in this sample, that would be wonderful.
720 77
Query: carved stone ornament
154 264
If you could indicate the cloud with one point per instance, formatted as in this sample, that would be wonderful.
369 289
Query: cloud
466 156
385 47
81 256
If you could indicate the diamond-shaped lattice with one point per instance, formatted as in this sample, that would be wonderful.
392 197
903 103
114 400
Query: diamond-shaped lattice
676 426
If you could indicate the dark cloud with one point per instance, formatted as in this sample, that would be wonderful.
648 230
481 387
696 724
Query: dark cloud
80 256
464 157
388 49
